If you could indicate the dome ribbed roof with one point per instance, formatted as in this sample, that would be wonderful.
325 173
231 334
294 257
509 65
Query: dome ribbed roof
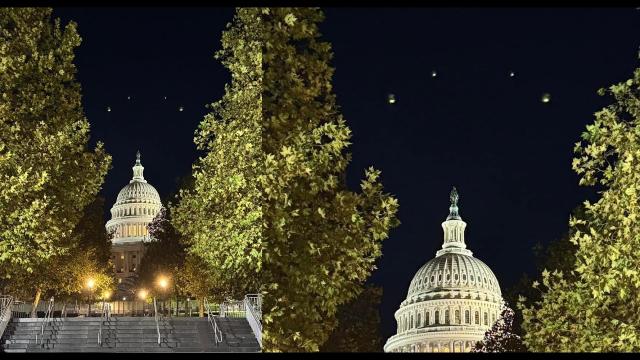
456 272
138 192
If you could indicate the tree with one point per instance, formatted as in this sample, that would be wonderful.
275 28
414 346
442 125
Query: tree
358 327
501 337
48 174
220 217
87 257
557 255
270 196
164 254
597 309
196 279
168 253
322 238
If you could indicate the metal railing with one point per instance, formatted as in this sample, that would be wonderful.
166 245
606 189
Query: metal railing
217 333
233 309
46 320
253 313
155 315
6 307
106 314
255 301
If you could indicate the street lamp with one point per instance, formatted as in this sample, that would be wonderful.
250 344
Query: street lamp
163 282
142 295
90 284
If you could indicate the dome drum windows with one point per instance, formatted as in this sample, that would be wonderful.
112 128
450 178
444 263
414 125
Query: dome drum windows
477 318
446 317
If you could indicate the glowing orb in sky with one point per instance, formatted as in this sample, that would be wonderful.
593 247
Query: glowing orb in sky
391 99
546 97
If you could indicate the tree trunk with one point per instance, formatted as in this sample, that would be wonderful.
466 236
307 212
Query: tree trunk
201 303
36 300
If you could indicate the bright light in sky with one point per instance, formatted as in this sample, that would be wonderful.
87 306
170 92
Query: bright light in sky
546 97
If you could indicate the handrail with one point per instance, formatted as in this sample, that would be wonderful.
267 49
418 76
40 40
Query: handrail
155 315
255 300
6 308
106 313
46 320
217 333
253 313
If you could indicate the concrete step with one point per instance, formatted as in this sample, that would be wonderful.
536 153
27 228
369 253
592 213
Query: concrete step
133 334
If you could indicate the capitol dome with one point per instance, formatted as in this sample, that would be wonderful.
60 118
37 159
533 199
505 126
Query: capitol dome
136 206
452 300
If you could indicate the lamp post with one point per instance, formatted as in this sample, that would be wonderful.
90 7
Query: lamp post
90 284
142 295
164 283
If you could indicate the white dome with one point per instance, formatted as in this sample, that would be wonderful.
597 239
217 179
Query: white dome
452 271
136 206
453 299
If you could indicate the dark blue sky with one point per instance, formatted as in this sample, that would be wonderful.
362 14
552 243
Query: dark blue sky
472 126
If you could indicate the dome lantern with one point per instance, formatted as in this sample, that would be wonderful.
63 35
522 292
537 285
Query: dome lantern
137 170
453 229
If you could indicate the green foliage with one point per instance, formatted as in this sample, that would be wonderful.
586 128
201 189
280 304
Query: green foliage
164 255
322 238
270 207
557 255
87 257
48 175
358 327
595 308
220 217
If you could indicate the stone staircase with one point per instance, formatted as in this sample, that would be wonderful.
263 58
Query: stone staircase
128 334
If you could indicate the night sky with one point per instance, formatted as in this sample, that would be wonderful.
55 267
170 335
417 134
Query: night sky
472 125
